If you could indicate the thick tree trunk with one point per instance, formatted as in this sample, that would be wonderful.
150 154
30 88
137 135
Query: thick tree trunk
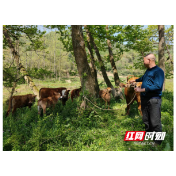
93 68
81 60
161 61
116 76
19 65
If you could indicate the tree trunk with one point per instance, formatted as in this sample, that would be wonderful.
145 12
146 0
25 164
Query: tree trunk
161 61
11 93
170 58
81 60
93 68
19 65
116 76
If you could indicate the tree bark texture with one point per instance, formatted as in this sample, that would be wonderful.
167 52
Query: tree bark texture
81 60
93 68
161 61
19 65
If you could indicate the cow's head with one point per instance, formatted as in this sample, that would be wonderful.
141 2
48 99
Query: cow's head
32 100
108 90
65 93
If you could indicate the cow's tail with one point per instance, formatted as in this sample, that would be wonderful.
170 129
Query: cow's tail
129 76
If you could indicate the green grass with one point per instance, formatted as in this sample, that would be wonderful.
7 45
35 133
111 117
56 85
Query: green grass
68 128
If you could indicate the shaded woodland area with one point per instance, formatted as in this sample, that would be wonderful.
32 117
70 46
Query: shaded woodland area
94 57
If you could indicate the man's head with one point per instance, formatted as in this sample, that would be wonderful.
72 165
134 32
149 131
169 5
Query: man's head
149 60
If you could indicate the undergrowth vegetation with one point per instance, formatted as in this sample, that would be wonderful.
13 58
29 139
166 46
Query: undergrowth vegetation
69 128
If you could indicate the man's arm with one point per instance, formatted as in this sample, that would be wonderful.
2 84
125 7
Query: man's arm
140 79
137 80
157 83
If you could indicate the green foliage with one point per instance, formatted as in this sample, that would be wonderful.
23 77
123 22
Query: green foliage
68 128
40 73
11 75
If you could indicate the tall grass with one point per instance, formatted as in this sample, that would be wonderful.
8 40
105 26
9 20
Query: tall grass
69 128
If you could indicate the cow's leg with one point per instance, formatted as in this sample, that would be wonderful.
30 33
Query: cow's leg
127 109
44 109
139 104
63 102
128 105
108 104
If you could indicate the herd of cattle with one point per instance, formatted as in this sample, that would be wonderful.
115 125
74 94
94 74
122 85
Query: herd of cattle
50 96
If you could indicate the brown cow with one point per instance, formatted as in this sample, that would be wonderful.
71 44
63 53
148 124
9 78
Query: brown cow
20 101
44 103
49 92
75 93
130 92
105 95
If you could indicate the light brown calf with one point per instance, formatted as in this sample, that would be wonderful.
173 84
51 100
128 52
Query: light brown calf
106 95
48 102
130 93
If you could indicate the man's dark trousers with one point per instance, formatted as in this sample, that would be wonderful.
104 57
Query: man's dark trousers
151 110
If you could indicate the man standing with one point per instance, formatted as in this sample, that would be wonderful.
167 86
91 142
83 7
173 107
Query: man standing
151 91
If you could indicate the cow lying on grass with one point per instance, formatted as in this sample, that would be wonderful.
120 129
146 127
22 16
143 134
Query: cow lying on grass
48 102
20 101
49 92
106 95
75 93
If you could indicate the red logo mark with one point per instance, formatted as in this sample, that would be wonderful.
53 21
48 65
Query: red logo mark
134 136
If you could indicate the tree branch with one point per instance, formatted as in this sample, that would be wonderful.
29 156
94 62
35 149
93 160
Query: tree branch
11 33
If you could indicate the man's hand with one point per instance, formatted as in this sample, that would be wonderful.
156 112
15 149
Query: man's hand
138 89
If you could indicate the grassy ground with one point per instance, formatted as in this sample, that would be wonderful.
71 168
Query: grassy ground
69 128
